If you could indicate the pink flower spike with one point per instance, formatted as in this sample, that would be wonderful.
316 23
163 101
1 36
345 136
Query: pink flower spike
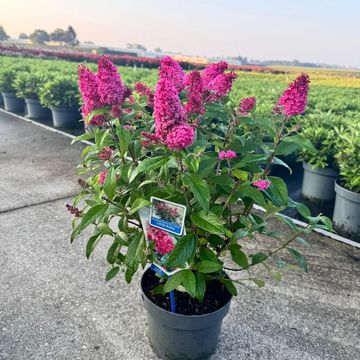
212 71
180 137
196 89
247 105
168 111
102 177
293 101
110 87
105 153
171 70
262 184
226 155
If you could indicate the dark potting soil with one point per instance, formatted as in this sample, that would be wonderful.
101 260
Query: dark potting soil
216 296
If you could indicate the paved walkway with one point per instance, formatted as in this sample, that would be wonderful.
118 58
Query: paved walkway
55 304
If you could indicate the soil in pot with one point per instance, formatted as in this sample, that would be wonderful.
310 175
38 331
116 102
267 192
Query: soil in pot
216 297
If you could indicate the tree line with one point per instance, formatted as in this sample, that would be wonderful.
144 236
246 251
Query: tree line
39 36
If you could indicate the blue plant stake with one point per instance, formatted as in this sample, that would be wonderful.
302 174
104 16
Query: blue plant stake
172 294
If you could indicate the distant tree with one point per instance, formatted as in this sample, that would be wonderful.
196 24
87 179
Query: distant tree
70 36
58 35
136 47
23 36
39 36
158 50
3 34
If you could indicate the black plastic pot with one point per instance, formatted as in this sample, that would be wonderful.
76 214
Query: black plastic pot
318 184
346 216
185 337
35 110
13 103
1 100
64 117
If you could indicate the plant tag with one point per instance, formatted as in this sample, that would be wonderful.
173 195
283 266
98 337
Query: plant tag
167 216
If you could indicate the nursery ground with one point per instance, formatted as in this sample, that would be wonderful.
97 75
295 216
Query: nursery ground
55 304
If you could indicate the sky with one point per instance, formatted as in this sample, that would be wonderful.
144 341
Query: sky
324 31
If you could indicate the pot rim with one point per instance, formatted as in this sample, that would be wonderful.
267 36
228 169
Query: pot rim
201 316
345 193
64 108
32 100
9 94
319 171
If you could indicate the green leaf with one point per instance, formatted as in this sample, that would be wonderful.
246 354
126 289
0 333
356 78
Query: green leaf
258 258
199 188
110 184
209 222
182 251
286 220
124 139
239 256
174 281
149 164
302 142
92 242
230 287
240 174
207 266
302 241
112 252
136 250
252 193
105 229
303 210
276 275
189 283
88 218
138 204
248 159
279 191
112 273
207 166
207 254
277 161
327 222
200 286
299 258
260 283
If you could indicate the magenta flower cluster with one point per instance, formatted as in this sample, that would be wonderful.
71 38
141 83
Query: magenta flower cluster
262 184
144 90
171 70
196 88
226 155
163 241
247 105
294 99
105 154
102 177
102 89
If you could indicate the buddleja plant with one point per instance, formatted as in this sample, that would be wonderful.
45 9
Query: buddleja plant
185 144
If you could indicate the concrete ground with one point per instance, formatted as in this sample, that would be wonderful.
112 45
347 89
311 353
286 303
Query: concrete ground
55 304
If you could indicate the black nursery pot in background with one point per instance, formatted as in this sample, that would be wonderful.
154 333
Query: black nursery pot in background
177 336
67 118
35 110
13 103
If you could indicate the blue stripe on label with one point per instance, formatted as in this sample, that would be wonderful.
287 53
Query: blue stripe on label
165 225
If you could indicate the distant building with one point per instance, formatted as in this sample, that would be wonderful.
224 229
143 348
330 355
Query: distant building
191 59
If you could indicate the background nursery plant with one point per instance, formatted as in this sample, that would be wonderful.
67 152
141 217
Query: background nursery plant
185 143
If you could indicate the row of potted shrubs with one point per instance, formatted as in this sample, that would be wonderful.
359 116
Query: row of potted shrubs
43 89
332 174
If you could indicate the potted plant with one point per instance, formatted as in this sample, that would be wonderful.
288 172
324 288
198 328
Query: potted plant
347 202
61 95
168 166
320 169
11 101
27 86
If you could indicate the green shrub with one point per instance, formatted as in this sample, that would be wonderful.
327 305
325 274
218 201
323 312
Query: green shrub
61 91
320 130
7 77
28 84
348 157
